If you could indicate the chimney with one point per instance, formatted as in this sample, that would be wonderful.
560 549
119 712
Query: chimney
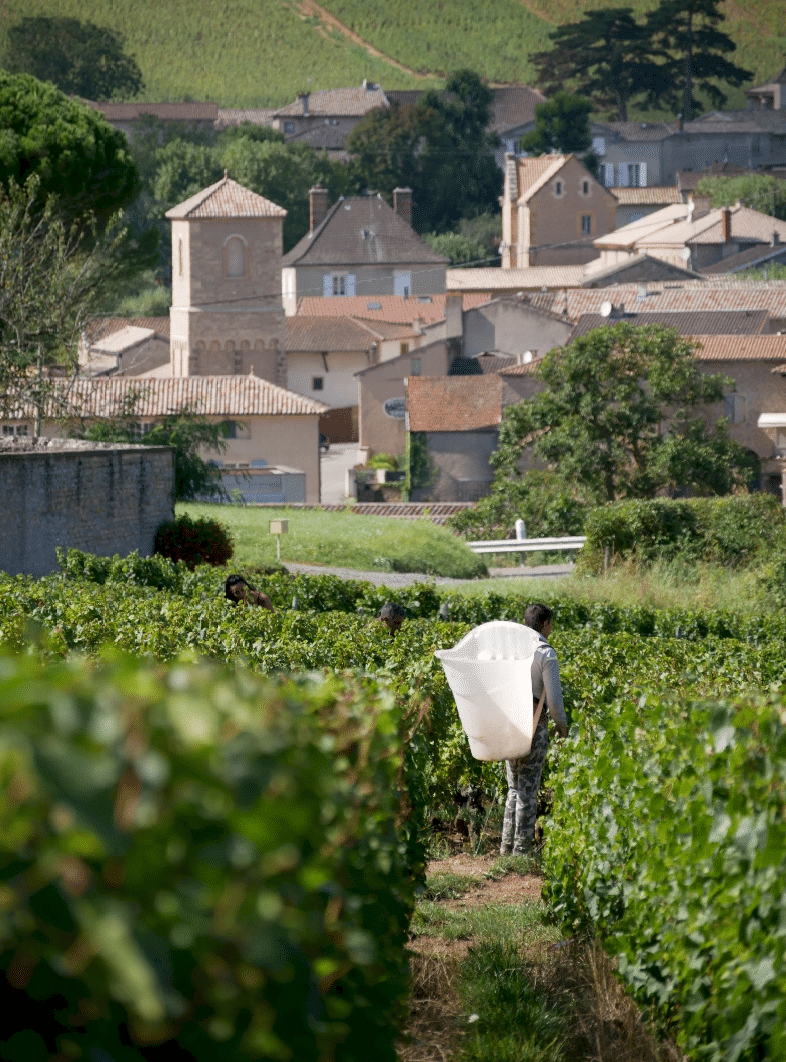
454 316
318 205
402 203
511 193
726 224
303 98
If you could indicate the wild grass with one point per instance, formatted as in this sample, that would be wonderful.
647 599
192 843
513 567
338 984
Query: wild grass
365 543
260 53
701 586
507 922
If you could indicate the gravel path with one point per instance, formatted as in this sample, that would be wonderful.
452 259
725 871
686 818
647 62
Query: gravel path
544 571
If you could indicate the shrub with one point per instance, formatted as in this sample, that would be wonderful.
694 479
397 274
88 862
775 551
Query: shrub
200 859
200 541
730 530
545 504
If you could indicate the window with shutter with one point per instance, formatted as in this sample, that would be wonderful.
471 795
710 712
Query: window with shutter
349 284
327 284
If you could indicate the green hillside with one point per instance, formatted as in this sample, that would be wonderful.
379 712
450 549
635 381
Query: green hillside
262 52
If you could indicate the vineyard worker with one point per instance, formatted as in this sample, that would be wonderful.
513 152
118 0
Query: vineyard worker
524 774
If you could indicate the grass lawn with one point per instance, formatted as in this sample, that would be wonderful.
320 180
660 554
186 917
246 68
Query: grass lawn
366 543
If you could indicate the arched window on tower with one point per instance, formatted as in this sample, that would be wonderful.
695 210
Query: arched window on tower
235 257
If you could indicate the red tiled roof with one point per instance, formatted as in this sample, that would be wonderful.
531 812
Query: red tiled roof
323 334
102 327
453 403
230 396
690 296
654 195
226 199
391 308
532 173
353 101
741 348
690 323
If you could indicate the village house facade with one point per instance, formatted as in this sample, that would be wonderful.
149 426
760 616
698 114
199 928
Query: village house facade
360 246
552 210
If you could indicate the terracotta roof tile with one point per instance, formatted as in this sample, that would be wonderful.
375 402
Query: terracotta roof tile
230 396
226 199
323 334
101 327
532 173
531 278
395 309
238 115
453 403
690 323
642 131
741 348
653 195
690 296
353 101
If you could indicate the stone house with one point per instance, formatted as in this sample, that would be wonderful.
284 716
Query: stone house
456 420
360 247
324 354
552 210
128 117
769 97
686 236
122 346
264 425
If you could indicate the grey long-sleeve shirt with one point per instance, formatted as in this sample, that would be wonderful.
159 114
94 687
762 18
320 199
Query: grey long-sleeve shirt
545 672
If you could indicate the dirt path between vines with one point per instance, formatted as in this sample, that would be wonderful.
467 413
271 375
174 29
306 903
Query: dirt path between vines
578 978
309 9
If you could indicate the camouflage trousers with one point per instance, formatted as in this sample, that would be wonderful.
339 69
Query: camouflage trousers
521 806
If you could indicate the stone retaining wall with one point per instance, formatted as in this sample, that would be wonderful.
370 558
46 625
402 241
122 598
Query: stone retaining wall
103 498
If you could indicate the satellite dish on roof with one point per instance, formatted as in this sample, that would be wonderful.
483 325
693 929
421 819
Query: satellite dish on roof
685 254
605 309
526 357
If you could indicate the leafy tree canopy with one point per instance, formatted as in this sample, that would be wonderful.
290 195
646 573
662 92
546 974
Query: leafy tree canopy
51 276
439 148
757 190
620 417
80 58
461 250
80 161
561 124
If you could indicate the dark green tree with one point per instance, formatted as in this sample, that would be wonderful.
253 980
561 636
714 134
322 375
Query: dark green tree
620 417
80 58
605 56
189 434
561 124
460 250
82 164
692 52
440 148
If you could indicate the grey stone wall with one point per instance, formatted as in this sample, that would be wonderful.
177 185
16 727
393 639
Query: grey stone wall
103 498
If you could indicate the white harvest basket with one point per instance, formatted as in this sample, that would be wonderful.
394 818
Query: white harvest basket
490 675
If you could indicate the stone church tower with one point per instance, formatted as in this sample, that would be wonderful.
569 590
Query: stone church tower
226 315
